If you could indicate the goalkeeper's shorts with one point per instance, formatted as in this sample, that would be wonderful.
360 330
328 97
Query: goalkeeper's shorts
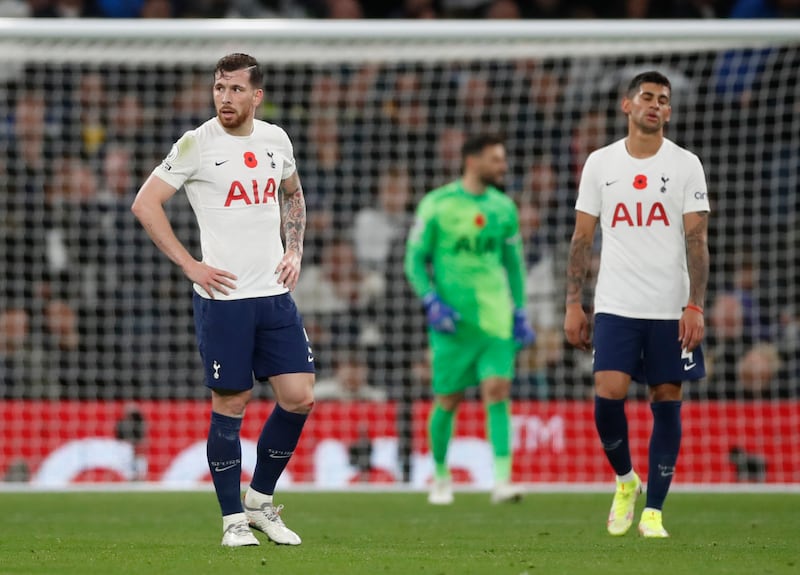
463 360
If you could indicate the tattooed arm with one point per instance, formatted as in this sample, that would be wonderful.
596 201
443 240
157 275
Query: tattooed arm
293 216
576 326
692 324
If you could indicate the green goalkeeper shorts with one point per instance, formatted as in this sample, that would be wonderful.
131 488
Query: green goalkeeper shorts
466 358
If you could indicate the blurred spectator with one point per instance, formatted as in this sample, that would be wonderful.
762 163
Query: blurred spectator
401 322
327 171
87 114
745 286
73 246
376 227
71 8
132 273
326 96
540 116
156 9
448 155
21 360
474 105
343 10
757 373
503 10
338 283
536 365
27 142
588 134
406 112
726 340
61 324
544 306
190 105
350 379
337 297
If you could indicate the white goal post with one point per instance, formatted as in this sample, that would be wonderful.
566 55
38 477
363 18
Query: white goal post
101 379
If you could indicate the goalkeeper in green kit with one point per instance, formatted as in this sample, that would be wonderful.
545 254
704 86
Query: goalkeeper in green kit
464 260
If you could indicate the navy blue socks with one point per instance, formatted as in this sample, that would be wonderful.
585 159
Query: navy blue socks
664 446
612 426
224 452
276 445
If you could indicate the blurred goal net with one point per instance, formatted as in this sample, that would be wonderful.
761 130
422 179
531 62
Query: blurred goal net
101 378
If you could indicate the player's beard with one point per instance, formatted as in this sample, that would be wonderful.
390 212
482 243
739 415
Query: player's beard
495 180
234 121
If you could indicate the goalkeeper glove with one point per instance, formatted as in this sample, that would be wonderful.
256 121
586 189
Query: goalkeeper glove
524 334
441 317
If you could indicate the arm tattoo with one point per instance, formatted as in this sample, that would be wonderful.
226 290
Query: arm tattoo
293 214
580 253
698 259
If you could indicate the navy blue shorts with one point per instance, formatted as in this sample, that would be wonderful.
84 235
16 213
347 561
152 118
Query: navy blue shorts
243 338
646 349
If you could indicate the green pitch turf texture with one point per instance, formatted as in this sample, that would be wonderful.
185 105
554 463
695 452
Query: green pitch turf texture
398 533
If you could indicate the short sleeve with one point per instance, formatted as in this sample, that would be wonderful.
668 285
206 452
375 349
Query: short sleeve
182 161
289 165
696 191
589 198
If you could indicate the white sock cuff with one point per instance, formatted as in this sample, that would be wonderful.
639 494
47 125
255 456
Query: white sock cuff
627 477
255 498
233 518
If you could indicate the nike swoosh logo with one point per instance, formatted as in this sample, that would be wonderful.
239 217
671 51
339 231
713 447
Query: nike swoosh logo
689 366
220 163
218 469
612 182
280 456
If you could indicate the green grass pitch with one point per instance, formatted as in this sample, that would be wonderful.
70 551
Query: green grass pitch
396 533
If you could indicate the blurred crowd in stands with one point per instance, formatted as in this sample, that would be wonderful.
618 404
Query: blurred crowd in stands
416 9
90 308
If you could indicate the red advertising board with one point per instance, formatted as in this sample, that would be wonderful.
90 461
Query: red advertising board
65 442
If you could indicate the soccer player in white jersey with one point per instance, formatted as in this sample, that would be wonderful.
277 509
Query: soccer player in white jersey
239 175
650 198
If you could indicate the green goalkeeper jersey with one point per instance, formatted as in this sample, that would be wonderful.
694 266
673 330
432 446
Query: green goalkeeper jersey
474 250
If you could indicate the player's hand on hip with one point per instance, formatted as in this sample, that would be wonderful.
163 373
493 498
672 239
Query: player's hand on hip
288 271
576 327
210 279
441 317
691 328
524 334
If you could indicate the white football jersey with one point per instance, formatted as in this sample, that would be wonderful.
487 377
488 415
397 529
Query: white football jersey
640 204
232 184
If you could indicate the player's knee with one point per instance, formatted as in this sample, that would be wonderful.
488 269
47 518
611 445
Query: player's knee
299 403
230 404
495 390
666 392
449 402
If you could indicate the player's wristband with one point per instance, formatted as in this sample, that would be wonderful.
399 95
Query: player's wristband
696 308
